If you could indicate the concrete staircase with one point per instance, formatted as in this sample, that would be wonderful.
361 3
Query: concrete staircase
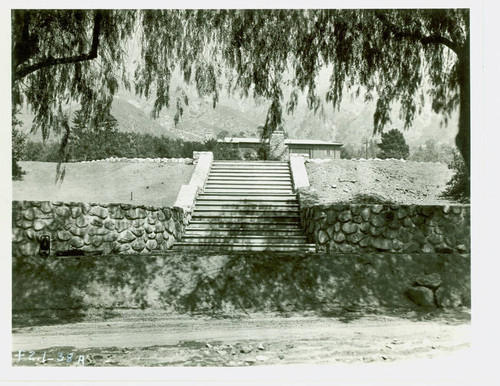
246 206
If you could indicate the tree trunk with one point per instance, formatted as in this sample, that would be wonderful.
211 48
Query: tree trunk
462 139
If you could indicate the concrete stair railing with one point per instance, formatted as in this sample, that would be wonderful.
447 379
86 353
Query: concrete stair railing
246 206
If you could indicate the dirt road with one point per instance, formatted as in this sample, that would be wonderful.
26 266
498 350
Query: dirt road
155 338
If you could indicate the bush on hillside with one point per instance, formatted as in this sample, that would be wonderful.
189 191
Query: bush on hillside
18 152
432 152
459 186
393 145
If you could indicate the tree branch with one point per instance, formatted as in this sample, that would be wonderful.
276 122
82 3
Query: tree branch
417 35
92 54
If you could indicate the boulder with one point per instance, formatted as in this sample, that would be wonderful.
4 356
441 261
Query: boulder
115 212
149 228
122 225
401 213
99 212
365 214
411 247
168 213
345 216
432 281
76 211
46 207
421 296
18 235
97 222
382 244
355 238
63 211
126 237
76 242
397 245
97 241
331 217
377 221
29 214
38 224
346 248
151 245
374 231
108 224
446 297
63 235
81 222
322 237
138 245
339 237
138 231
364 227
349 227
110 237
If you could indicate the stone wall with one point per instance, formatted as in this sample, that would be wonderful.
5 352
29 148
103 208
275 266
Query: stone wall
106 228
188 161
387 228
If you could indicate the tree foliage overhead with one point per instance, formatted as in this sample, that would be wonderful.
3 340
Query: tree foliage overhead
387 55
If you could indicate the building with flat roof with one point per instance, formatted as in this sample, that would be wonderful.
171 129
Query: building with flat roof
309 148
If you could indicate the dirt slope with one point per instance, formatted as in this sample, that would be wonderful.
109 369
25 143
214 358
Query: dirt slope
151 183
402 182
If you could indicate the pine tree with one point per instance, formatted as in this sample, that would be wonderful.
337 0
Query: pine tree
393 145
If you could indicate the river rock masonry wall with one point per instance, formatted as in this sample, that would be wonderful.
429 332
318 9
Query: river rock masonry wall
388 228
106 228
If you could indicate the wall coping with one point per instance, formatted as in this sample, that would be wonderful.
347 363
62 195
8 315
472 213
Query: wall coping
299 172
188 161
187 193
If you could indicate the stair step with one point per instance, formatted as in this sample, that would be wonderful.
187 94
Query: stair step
283 198
237 182
261 225
242 211
228 162
243 239
249 219
277 232
249 173
250 165
245 187
246 177
244 205
248 192
265 168
247 247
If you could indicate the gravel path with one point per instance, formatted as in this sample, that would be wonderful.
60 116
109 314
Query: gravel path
156 338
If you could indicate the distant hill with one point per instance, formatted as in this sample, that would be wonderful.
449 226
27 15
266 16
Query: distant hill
352 124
